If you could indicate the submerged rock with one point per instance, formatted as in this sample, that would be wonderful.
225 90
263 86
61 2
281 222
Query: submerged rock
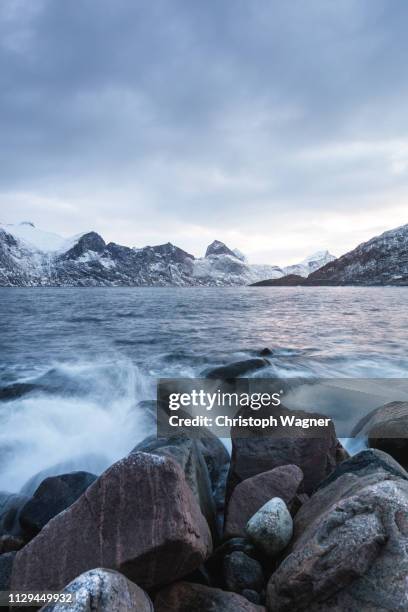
54 495
103 590
234 370
271 527
251 494
140 518
188 597
350 545
8 543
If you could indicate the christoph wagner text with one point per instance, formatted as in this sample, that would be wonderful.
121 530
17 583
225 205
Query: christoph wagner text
264 423
208 401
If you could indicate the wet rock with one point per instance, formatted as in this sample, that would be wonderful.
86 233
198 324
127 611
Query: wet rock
242 572
271 527
252 596
6 567
187 453
140 518
8 543
54 495
387 429
350 545
251 494
316 451
265 352
103 590
237 369
186 597
10 508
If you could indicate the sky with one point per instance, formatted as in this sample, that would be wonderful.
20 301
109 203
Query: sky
280 128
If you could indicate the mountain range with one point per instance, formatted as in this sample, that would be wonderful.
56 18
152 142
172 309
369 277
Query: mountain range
383 260
32 257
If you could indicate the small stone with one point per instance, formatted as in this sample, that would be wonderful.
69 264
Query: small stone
271 528
241 572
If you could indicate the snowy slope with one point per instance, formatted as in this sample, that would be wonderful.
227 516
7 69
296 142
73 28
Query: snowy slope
383 260
310 264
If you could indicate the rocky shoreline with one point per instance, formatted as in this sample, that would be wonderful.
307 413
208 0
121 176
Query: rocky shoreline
178 525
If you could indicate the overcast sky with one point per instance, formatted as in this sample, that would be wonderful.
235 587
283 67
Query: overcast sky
279 127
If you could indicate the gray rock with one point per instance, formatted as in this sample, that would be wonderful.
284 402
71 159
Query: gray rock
350 545
54 495
242 572
103 590
10 508
271 527
251 596
6 568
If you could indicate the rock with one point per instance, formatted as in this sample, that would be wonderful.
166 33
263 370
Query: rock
265 352
387 429
217 459
54 495
251 596
140 518
254 492
350 545
8 543
187 453
234 370
242 572
6 567
188 597
103 590
316 453
215 564
10 508
271 527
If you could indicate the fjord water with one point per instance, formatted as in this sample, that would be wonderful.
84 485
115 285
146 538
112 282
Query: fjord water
90 355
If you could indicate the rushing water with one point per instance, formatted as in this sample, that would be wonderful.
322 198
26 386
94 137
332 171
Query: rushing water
93 354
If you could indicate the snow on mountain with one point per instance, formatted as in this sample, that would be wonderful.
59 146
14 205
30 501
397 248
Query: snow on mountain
383 260
310 264
32 257
36 239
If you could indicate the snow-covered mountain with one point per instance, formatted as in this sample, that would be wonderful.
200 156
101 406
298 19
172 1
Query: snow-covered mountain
32 257
383 260
310 264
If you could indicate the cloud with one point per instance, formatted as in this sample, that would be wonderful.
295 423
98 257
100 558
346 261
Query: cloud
184 121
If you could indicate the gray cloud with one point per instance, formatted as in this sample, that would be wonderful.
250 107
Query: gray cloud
180 120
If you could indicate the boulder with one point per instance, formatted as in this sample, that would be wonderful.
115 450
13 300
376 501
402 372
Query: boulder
187 453
251 596
6 567
316 451
386 428
186 597
254 492
237 369
140 518
350 545
103 590
8 543
271 527
242 572
10 508
54 495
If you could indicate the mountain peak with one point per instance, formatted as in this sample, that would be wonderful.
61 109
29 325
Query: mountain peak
218 248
